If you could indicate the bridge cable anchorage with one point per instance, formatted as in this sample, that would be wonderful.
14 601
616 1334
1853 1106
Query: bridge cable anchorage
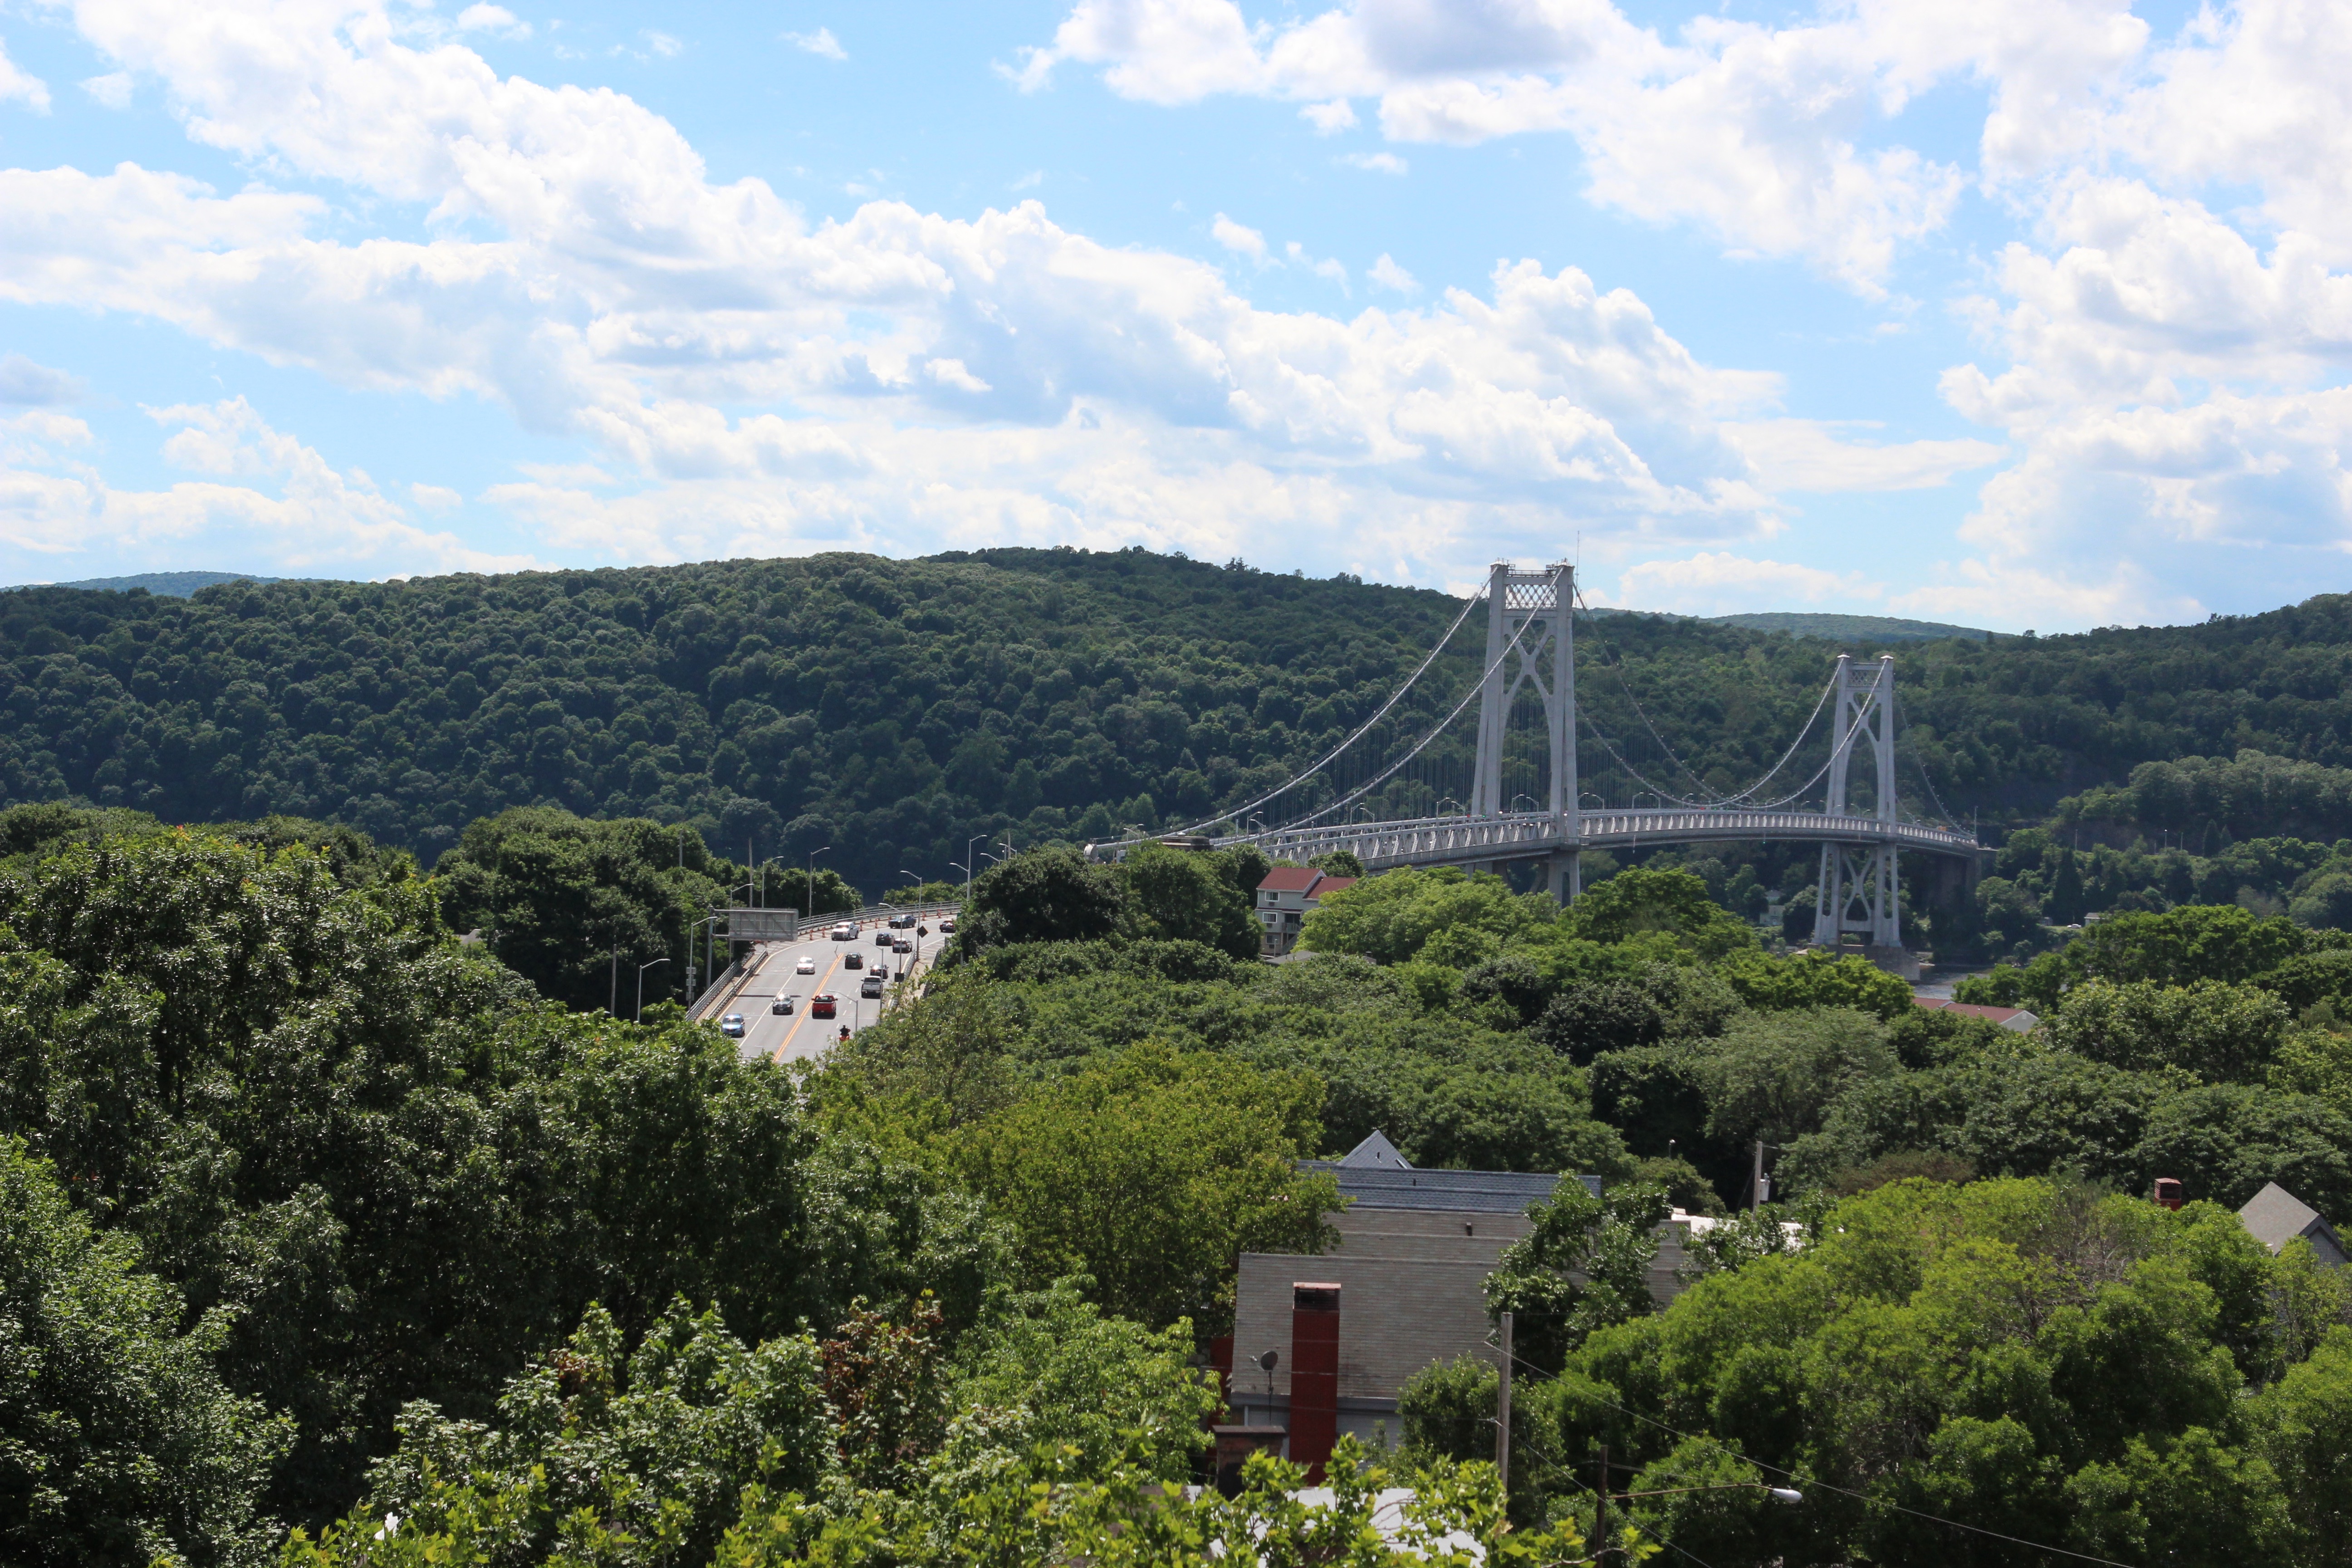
1239 811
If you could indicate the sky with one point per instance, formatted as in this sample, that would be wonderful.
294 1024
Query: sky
2018 315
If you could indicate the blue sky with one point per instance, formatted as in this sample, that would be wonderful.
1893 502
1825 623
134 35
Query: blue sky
2015 314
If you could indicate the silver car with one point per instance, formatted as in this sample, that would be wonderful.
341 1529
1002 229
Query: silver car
731 1025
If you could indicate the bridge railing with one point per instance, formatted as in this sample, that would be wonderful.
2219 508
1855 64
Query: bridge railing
1511 834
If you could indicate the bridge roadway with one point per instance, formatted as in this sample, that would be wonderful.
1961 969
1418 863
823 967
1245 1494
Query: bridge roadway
1520 836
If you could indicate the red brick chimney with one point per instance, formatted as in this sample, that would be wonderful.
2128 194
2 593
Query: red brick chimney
1314 1375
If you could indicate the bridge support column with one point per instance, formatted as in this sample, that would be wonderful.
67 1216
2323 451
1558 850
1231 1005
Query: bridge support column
1566 876
1867 875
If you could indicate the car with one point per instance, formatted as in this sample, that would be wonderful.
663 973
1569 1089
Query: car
902 945
852 961
947 925
731 1025
822 1004
781 1007
870 986
900 923
805 966
883 938
845 932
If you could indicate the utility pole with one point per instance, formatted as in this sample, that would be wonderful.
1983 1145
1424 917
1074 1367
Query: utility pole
1756 1186
1600 1509
1503 1411
614 1007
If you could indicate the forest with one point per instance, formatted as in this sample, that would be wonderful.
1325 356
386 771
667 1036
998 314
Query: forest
331 1237
896 712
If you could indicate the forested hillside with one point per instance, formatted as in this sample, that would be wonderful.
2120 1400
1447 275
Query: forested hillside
893 710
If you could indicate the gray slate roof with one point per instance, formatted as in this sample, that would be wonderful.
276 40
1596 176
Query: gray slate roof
2277 1217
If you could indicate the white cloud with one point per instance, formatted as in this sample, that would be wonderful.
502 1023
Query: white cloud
53 502
435 498
1808 455
1329 119
19 86
1715 583
113 91
1762 135
1386 274
1238 237
662 43
821 42
1377 163
27 385
485 18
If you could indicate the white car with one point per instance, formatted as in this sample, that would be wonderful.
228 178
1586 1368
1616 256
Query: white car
805 966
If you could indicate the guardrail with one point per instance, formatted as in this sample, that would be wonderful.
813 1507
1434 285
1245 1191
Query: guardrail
810 928
1518 834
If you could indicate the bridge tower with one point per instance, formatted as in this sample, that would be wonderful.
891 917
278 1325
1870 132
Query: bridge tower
1543 602
1861 889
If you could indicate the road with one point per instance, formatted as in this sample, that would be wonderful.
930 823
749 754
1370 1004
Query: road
798 1036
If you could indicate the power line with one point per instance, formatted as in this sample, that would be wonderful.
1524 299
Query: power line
1863 1498
1600 1546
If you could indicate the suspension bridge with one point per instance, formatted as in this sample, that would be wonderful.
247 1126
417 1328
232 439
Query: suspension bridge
1385 793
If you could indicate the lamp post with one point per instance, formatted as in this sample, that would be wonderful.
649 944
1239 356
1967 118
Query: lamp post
641 987
967 864
808 889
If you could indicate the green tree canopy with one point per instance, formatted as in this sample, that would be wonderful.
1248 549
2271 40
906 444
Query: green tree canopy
1152 1173
119 1441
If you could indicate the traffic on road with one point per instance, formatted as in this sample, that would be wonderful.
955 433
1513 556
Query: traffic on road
800 998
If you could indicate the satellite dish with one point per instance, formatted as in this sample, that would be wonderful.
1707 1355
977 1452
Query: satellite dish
1266 1361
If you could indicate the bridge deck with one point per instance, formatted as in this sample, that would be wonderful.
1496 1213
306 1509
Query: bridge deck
1516 835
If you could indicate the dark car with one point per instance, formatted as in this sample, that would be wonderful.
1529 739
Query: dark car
852 961
821 1006
882 939
781 1007
900 923
870 986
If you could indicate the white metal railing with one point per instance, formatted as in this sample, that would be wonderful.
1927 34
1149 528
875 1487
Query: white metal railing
1436 839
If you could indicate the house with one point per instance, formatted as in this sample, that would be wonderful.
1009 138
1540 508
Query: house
1283 900
2016 1018
2277 1217
1404 1287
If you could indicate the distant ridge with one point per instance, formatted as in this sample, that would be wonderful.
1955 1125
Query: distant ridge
1865 629
170 584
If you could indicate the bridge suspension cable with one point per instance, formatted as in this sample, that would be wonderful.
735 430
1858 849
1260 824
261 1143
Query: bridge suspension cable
1240 812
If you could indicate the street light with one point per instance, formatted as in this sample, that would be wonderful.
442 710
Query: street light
967 863
641 987
1529 798
809 891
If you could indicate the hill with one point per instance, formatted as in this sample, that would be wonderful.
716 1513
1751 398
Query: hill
1849 629
894 710
170 584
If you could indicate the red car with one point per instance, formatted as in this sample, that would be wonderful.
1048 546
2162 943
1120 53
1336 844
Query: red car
821 1006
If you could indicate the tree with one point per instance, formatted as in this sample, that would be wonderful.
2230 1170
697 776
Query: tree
1639 899
1391 918
1049 894
2214 1030
1815 980
1774 1074
1152 1174
1175 895
118 1439
1583 1265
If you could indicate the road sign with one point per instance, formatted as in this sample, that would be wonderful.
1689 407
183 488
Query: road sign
764 925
